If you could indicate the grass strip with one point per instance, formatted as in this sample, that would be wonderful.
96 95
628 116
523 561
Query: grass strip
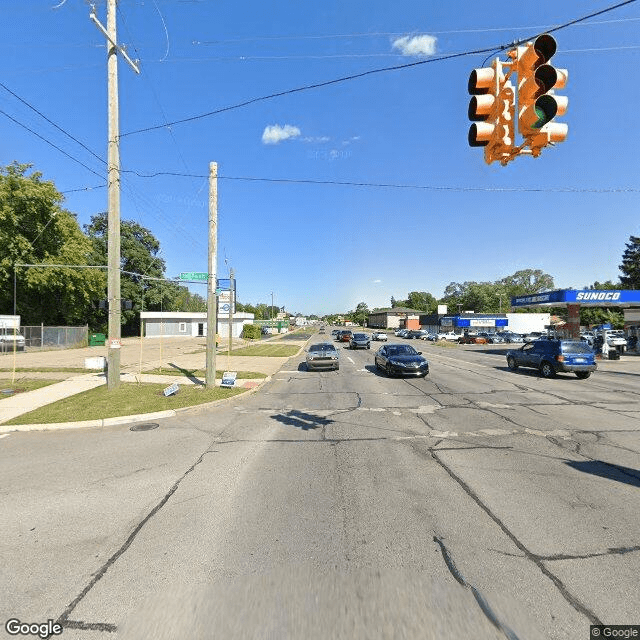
21 385
201 373
127 399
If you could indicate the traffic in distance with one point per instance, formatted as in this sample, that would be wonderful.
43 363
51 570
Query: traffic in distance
542 351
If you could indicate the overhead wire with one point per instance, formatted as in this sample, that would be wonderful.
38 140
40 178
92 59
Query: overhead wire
370 72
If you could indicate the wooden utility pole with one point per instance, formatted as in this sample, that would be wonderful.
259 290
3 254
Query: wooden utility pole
212 298
113 179
113 196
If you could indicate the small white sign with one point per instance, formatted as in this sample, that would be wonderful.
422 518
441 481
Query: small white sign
229 378
170 390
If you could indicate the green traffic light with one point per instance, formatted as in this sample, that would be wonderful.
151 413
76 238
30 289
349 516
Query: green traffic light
545 109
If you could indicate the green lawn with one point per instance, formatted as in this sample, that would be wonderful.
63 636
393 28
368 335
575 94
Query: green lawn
21 385
128 399
201 373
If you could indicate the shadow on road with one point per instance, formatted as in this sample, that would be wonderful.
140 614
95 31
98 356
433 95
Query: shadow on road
301 420
607 470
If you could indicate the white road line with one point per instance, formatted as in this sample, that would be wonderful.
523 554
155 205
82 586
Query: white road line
4 435
350 360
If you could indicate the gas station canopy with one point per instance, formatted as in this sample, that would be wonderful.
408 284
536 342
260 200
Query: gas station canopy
582 297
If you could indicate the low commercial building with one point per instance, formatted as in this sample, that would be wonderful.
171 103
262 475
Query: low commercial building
394 318
516 322
183 324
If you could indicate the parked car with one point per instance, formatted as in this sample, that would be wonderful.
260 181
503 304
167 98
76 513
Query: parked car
335 332
451 336
10 341
322 356
428 336
360 341
345 335
397 332
471 338
379 335
401 359
553 356
534 335
493 338
512 338
402 333
416 333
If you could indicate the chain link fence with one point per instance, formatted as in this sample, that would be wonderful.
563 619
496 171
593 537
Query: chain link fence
47 338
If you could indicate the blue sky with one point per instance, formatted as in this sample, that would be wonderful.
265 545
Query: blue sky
323 247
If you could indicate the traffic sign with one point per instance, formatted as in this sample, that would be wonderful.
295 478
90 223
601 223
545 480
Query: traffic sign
194 275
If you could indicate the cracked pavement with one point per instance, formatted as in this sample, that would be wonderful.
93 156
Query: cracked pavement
477 502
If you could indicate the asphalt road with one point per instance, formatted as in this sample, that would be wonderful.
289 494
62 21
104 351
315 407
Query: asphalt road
474 503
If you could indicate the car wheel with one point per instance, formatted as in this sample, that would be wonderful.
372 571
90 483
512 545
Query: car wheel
583 375
337 367
547 370
388 370
511 363
375 361
368 346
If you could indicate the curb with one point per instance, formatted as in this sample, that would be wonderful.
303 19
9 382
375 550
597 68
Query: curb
120 420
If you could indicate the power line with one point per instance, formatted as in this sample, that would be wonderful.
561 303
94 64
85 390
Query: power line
66 133
378 34
391 185
62 151
363 74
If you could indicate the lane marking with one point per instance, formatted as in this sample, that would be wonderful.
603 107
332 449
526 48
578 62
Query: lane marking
4 435
350 360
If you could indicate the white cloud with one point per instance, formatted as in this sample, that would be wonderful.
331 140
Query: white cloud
377 281
316 139
275 133
350 140
423 45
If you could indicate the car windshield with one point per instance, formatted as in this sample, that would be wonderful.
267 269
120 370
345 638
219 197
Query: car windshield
401 350
359 336
321 347
576 347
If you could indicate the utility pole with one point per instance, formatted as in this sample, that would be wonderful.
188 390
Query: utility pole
232 302
212 298
113 196
271 310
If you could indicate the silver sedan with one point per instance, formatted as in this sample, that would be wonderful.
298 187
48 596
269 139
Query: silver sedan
322 356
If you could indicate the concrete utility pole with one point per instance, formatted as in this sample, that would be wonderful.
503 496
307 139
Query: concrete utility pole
113 197
212 298
232 301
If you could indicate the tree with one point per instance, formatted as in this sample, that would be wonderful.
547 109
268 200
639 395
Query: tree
35 229
527 281
361 313
422 301
630 266
142 281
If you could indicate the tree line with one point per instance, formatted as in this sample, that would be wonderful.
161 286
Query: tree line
36 230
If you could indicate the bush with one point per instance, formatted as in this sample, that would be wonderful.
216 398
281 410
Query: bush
251 332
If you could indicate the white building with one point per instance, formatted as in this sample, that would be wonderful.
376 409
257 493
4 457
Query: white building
184 324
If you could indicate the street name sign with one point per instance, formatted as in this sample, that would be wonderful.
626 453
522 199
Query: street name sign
198 276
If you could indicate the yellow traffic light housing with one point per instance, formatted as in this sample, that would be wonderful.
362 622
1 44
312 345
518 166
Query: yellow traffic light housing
492 109
537 103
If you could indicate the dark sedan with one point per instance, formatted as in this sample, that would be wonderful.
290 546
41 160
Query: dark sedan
401 359
360 341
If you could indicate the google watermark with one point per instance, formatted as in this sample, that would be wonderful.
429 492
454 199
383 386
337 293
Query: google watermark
15 627
599 631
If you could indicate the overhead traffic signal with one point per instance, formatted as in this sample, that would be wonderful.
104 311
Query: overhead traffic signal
537 103
492 109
